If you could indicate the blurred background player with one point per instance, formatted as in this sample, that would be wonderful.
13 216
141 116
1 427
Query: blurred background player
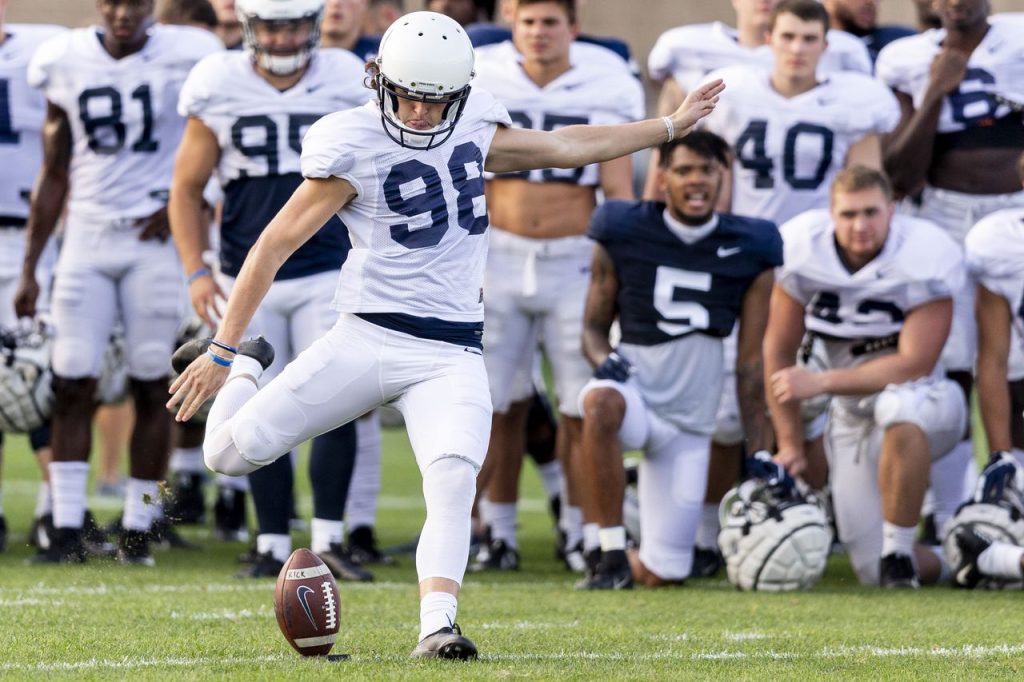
677 276
22 112
343 27
197 13
876 291
109 139
860 18
948 82
229 28
791 130
247 114
538 262
380 14
466 12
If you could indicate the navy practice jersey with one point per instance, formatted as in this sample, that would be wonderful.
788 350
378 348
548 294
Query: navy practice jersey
882 36
367 47
668 288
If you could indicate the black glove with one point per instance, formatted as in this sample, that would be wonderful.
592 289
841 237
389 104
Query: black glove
614 367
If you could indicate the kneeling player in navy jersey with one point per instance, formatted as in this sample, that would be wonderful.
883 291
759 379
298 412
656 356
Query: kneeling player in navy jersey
677 277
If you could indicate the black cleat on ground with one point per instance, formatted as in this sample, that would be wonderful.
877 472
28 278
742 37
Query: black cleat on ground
362 547
447 643
338 559
575 558
166 536
41 531
95 539
707 562
258 349
229 516
185 504
3 533
613 573
497 556
971 544
896 572
929 534
65 547
133 548
265 566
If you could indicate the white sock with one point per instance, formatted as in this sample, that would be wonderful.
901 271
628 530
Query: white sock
503 522
1001 560
326 533
612 538
187 461
897 539
947 479
279 546
363 491
707 529
1018 455
68 481
44 500
140 498
571 524
551 477
238 483
437 610
591 537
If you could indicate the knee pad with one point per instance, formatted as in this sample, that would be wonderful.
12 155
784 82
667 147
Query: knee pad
150 360
634 431
221 454
937 407
449 485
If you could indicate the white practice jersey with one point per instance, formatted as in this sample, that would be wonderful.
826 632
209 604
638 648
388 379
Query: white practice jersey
995 257
788 150
125 128
418 223
996 67
918 264
259 128
22 112
689 53
598 89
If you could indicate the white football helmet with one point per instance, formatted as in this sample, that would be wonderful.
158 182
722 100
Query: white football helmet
773 538
996 509
26 394
252 13
426 57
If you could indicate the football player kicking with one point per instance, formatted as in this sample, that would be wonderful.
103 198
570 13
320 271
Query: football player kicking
537 268
876 290
677 275
108 147
247 113
406 174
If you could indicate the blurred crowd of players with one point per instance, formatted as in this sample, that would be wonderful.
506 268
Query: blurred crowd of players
142 157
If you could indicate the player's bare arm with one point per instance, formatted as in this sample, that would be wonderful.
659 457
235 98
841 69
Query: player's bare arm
312 204
600 308
617 178
921 340
515 149
750 363
910 147
197 157
867 151
782 337
994 320
47 203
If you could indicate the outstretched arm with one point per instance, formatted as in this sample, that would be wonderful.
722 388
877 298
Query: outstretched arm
517 149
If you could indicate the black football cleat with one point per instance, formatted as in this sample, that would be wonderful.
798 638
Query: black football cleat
497 556
133 548
613 573
95 539
166 536
338 559
362 547
265 566
185 504
188 352
229 516
41 531
971 544
447 643
3 533
65 547
706 562
258 349
896 572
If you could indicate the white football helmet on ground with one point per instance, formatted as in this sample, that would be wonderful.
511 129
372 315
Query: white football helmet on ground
996 509
773 538
278 14
426 57
26 394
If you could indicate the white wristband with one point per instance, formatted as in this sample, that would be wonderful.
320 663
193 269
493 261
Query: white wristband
670 128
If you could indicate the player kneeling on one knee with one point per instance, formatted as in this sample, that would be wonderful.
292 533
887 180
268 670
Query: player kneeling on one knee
876 289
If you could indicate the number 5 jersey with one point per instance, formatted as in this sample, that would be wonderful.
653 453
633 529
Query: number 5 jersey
124 127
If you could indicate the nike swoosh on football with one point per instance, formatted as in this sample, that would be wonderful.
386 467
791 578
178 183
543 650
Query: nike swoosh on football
303 592
724 252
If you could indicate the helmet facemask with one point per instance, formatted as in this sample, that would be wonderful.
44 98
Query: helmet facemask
281 64
388 96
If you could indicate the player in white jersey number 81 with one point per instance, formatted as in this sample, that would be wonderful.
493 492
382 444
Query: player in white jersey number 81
410 291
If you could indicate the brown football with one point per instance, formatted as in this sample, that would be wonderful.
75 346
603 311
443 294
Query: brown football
307 604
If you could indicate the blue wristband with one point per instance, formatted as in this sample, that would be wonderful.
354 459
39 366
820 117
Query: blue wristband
201 272
224 346
218 360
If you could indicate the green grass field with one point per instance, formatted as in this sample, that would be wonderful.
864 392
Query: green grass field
190 619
